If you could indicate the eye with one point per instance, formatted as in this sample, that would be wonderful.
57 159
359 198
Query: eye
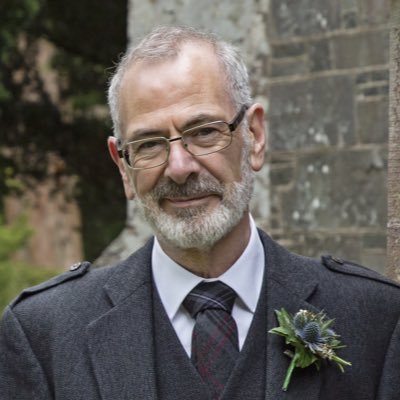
148 146
206 132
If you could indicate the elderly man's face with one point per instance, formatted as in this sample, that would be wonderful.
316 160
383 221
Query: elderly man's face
162 99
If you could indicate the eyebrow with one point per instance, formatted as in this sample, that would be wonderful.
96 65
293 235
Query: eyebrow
145 134
199 120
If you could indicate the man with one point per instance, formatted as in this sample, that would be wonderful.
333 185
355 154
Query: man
187 141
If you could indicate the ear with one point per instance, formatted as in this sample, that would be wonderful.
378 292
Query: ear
126 179
255 117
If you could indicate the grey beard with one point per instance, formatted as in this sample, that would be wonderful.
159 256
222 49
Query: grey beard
197 227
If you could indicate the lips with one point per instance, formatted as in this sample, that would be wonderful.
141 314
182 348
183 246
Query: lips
191 201
188 198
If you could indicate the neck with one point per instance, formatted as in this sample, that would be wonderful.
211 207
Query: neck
213 262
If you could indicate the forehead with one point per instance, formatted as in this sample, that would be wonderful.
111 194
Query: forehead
192 79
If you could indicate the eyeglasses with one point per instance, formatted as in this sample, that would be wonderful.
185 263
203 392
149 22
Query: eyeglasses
200 140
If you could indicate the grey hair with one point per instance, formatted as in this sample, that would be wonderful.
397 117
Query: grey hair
165 43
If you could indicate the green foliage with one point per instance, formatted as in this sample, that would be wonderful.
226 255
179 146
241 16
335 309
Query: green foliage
16 16
11 182
16 276
13 237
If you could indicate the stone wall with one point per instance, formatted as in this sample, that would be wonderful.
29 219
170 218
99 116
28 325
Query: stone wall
328 91
321 69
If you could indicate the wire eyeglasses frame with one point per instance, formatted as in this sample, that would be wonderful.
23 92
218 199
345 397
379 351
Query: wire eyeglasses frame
123 149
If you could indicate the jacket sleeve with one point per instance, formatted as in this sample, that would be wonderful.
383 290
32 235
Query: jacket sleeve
21 375
389 388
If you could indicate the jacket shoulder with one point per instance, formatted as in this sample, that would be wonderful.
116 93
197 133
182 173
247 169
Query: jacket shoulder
76 271
339 265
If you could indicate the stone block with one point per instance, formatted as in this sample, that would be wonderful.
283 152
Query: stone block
361 49
338 190
373 91
374 11
316 244
346 246
374 260
288 66
372 121
320 55
288 50
373 241
381 75
313 113
303 17
281 174
349 18
348 4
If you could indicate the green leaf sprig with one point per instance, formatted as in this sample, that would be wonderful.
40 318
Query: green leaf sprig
312 338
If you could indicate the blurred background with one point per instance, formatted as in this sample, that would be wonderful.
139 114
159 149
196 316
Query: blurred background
320 67
61 197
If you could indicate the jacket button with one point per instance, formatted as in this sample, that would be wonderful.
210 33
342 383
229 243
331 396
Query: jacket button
75 266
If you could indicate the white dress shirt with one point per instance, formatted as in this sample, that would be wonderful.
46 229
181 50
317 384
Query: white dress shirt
245 276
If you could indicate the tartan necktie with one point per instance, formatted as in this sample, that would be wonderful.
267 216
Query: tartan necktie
215 339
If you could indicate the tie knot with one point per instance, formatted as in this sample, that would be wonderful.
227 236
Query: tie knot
210 295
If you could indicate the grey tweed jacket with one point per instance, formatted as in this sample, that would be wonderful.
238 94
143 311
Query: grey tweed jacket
88 334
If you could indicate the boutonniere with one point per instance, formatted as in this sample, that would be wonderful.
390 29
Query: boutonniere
312 338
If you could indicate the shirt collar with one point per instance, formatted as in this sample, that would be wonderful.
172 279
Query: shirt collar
174 282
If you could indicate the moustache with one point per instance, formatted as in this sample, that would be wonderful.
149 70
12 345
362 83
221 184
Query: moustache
193 186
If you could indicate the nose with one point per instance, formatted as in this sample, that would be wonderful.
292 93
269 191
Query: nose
181 164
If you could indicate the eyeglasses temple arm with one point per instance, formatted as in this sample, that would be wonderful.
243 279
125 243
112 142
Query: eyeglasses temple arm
234 124
119 148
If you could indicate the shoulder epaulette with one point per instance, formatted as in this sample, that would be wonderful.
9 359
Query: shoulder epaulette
76 270
351 268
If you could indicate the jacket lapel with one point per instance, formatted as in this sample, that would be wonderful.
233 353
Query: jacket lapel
289 286
121 341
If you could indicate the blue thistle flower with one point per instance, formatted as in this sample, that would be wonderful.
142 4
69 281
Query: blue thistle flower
312 338
313 331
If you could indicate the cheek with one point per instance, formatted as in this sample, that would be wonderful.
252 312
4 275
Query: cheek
226 168
227 165
145 181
